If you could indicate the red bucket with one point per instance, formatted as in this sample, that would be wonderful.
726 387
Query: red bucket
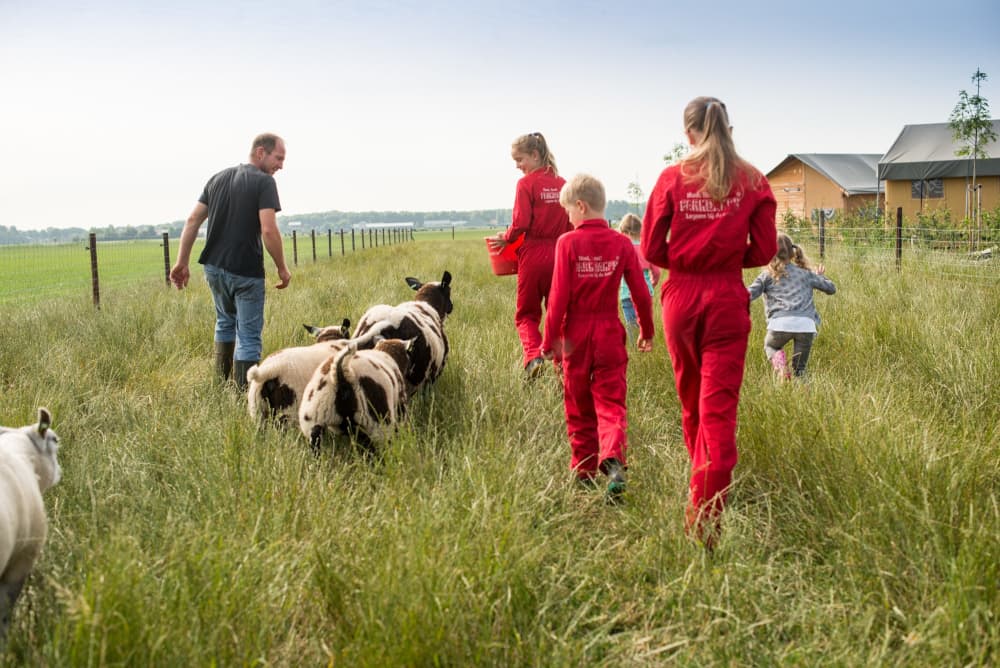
504 262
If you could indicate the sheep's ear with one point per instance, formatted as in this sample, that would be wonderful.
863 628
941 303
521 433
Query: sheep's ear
446 279
44 420
413 283
312 329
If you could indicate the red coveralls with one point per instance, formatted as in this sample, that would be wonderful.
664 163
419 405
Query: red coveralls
539 216
582 324
706 316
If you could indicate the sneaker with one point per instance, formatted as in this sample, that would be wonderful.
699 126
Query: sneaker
780 364
534 368
616 480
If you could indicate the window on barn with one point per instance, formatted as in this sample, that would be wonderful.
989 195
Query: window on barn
927 189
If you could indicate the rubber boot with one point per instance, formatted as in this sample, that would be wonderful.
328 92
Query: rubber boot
224 359
780 364
240 368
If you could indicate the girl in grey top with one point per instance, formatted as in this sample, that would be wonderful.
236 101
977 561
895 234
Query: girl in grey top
787 284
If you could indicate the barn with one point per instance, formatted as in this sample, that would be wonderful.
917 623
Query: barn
922 173
804 183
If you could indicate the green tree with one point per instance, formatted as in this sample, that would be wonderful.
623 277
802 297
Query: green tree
635 196
676 153
972 129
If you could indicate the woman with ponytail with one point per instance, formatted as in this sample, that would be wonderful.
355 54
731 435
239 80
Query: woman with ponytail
709 216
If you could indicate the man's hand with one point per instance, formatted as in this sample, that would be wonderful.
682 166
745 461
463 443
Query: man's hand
644 345
285 276
180 275
548 355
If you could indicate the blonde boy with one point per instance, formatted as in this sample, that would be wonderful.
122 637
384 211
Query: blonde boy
582 327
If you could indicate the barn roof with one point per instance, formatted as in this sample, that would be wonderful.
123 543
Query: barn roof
928 152
855 173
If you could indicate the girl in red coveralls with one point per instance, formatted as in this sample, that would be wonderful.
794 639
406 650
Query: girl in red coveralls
582 326
540 218
707 218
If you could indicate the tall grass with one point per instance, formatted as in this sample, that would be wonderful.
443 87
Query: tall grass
863 529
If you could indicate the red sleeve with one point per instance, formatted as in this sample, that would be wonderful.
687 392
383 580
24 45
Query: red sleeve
558 302
763 233
521 217
656 225
636 283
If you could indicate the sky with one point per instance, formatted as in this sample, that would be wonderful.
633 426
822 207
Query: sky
117 113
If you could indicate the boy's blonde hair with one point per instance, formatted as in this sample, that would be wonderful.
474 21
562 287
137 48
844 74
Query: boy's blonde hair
586 188
535 143
630 225
788 253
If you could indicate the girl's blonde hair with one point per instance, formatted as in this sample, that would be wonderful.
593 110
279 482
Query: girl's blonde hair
630 225
714 162
535 142
788 253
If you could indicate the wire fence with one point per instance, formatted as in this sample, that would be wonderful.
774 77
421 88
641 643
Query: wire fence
84 270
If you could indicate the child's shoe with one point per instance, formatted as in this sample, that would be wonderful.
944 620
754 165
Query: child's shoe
534 368
780 364
616 480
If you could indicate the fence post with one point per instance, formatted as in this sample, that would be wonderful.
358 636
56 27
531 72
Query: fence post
353 246
363 239
95 284
312 239
295 248
343 250
166 256
899 238
452 232
329 243
822 233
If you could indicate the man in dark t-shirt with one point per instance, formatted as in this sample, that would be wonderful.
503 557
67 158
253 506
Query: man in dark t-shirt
240 204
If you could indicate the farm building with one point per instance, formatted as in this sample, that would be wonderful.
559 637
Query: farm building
804 183
922 172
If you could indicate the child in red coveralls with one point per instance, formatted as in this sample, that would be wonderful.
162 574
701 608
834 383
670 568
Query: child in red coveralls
708 217
540 218
582 326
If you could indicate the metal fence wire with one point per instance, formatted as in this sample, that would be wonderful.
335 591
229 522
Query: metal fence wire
82 270
37 271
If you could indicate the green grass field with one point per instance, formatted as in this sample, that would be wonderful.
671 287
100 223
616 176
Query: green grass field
863 529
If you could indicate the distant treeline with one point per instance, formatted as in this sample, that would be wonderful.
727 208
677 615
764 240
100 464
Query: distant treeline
327 220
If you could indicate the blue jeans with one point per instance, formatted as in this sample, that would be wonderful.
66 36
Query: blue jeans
628 311
239 311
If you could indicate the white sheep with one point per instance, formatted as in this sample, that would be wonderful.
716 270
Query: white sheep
276 383
421 320
28 467
359 393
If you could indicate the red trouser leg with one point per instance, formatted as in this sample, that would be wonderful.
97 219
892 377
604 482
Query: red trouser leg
595 387
581 416
534 278
706 323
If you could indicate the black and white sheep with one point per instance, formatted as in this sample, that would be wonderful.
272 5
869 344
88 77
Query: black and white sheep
421 320
276 383
359 393
28 467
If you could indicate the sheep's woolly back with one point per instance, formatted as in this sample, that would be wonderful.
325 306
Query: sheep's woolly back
28 467
276 384
359 392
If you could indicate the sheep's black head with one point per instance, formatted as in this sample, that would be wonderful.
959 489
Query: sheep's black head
330 332
437 294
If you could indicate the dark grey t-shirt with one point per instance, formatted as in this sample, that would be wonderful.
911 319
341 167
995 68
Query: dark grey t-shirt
233 197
